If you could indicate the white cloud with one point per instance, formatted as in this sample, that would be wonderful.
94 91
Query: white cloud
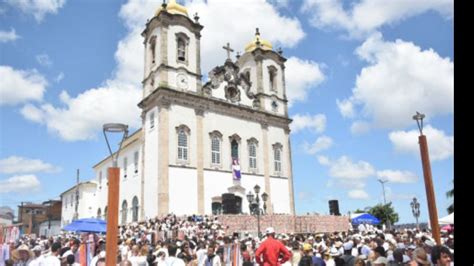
346 108
400 80
358 194
360 127
323 160
37 8
20 86
440 146
44 60
301 76
322 143
8 36
346 169
396 176
367 16
21 183
316 123
215 16
32 113
390 196
20 165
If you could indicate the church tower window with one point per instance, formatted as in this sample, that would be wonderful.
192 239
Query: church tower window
152 48
272 74
135 209
135 161
124 212
152 120
182 41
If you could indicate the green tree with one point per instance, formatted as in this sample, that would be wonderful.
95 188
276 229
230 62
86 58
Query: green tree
450 194
384 212
365 210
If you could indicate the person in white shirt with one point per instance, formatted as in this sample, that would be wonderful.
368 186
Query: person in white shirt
37 260
172 260
52 258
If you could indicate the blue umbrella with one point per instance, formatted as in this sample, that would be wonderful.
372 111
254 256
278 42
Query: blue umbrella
365 218
87 225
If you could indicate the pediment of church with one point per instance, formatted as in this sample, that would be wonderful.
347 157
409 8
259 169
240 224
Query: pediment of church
227 83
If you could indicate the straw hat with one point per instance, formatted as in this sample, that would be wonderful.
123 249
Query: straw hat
22 247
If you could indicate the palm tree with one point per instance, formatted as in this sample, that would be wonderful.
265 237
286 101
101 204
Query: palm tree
450 194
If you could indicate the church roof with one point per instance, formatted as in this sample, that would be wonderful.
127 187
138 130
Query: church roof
258 43
173 8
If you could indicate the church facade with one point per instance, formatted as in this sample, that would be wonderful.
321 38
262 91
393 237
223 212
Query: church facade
201 142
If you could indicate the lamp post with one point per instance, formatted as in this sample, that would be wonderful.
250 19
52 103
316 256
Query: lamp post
415 209
113 174
425 161
254 204
385 201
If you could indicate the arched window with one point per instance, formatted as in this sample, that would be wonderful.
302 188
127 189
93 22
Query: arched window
124 212
99 214
183 133
272 74
234 149
277 148
182 43
182 146
252 145
152 48
216 138
247 74
125 163
181 50
105 213
135 209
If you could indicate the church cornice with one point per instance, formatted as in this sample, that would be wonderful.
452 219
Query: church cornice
194 100
260 54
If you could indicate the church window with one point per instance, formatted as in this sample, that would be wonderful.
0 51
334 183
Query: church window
152 120
152 48
135 209
252 155
135 161
99 214
277 148
124 212
182 43
125 162
274 106
105 213
272 74
181 50
247 74
216 150
234 148
183 134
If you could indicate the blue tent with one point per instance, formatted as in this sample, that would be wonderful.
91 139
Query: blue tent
364 218
87 225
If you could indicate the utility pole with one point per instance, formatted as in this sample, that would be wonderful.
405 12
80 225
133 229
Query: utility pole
76 214
385 201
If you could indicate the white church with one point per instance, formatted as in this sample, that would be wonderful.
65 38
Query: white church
195 135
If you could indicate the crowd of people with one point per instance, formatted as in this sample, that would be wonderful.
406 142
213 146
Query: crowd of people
203 241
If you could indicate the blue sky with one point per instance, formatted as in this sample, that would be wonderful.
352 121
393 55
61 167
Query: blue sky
356 73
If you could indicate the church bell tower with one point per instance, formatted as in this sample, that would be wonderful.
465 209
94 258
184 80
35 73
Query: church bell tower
172 50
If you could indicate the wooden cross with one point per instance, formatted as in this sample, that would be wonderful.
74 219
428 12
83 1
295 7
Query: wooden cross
228 49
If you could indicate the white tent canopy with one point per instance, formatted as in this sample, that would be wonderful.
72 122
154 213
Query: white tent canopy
447 219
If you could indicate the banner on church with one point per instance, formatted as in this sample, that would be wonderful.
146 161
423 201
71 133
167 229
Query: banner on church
236 169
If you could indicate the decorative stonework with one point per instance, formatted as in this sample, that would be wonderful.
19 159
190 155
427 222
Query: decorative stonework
228 73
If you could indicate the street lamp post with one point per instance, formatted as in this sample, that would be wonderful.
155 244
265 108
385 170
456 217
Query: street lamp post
113 174
385 201
430 196
415 209
254 201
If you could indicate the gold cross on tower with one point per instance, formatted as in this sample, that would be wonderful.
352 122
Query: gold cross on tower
228 49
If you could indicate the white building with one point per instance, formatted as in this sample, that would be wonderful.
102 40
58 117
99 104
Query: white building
86 203
181 158
50 228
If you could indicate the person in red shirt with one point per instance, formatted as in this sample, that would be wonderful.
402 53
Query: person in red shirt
271 249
